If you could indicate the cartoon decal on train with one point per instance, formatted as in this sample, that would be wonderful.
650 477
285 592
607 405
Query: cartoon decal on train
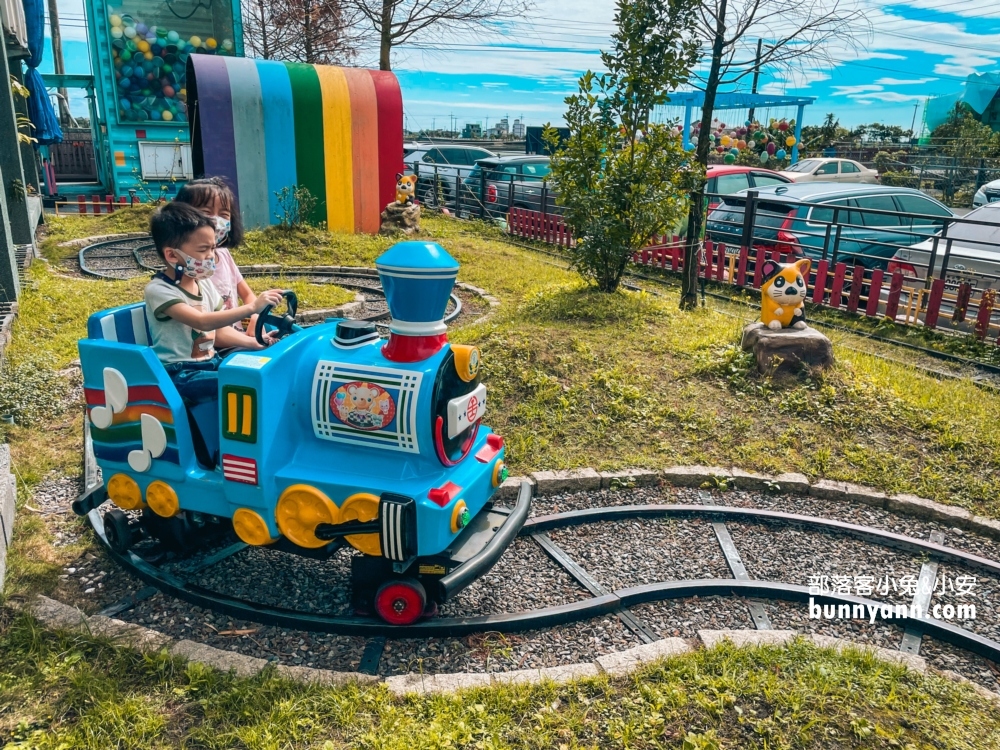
331 435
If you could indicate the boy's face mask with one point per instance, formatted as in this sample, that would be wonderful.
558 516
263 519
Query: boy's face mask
222 227
195 268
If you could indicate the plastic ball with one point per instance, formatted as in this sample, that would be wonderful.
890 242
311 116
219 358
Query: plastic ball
790 141
148 55
168 91
764 156
142 46
771 148
211 43
156 49
781 154
155 115
125 103
173 37
167 115
130 45
116 20
729 158
157 62
130 32
161 31
195 41
741 144
116 32
141 28
125 84
227 45
126 55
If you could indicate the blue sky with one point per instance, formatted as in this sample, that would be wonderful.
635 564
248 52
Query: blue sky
916 49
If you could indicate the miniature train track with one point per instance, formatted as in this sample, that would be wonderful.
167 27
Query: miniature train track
135 256
600 602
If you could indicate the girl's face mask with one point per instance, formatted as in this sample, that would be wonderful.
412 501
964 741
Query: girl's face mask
195 268
222 227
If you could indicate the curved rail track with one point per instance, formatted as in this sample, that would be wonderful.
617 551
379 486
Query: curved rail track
132 257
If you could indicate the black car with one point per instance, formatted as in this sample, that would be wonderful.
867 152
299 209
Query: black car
442 166
496 185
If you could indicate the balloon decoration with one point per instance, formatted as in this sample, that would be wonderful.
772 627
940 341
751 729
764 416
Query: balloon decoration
729 158
764 156
771 149
151 67
780 154
767 143
790 141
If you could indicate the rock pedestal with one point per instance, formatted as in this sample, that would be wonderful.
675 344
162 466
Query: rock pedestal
788 351
400 219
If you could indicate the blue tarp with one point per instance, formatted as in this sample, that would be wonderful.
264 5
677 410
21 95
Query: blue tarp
977 91
40 110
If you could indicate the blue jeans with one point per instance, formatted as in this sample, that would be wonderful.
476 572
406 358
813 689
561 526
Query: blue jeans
197 382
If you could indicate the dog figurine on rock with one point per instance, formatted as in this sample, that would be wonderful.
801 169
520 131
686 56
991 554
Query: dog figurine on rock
405 188
783 294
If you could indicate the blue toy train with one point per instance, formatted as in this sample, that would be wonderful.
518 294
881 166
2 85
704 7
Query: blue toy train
331 435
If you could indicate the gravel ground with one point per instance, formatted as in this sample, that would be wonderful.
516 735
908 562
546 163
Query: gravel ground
945 656
683 618
984 593
628 553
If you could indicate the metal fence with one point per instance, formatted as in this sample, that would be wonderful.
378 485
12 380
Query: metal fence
483 192
925 270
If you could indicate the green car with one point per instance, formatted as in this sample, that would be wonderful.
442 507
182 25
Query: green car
873 220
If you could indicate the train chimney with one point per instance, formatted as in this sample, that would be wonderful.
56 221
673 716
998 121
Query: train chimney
417 278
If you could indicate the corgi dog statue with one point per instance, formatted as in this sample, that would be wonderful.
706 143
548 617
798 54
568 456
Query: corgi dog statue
405 188
783 294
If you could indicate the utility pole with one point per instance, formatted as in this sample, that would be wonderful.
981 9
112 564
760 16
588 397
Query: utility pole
756 77
913 122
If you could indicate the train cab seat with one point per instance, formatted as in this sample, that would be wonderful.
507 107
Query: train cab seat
128 325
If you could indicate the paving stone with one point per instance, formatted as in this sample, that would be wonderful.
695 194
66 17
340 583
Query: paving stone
564 673
746 637
437 683
748 480
224 661
308 675
142 639
622 662
570 480
984 692
8 499
511 486
912 661
694 476
630 478
56 614
919 507
793 483
830 490
986 526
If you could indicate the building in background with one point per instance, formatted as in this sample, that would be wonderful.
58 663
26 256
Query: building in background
472 130
517 129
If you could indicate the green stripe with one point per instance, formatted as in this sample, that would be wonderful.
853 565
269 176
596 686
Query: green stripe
310 156
126 433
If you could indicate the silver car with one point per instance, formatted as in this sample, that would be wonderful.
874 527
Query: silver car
988 193
974 257
830 170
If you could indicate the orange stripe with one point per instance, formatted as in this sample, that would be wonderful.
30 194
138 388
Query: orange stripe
133 413
364 139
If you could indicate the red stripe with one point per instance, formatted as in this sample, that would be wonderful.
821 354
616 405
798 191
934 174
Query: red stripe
95 396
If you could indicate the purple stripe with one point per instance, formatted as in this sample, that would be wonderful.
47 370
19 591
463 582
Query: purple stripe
215 119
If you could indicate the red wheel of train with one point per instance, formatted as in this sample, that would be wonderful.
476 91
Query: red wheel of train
401 602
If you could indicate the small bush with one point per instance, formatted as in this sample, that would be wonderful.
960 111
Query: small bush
899 179
296 205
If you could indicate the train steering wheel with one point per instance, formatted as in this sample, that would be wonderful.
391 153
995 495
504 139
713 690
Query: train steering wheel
284 324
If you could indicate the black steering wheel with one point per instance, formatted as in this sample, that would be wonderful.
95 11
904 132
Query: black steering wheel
284 324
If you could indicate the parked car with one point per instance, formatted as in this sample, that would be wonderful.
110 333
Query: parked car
988 193
974 256
496 185
727 179
444 166
789 220
830 170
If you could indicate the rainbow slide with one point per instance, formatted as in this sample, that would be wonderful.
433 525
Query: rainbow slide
266 125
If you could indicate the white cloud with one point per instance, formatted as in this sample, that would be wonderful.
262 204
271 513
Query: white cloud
903 81
866 88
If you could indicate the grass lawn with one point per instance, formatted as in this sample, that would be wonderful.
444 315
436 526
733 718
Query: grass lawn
71 692
576 378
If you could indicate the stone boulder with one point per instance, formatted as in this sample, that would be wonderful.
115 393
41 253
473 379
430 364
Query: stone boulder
400 219
788 351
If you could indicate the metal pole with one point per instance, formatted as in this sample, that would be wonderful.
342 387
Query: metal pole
756 77
829 231
798 133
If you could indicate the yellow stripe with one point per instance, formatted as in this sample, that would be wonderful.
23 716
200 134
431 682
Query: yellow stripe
247 413
337 148
231 412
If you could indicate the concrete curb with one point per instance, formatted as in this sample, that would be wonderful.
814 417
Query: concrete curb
84 241
8 500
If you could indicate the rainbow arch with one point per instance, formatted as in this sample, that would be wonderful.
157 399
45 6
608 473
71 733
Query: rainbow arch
265 125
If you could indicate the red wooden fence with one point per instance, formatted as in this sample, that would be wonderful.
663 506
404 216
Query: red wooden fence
856 289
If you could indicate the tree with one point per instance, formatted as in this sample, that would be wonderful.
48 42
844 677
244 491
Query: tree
396 22
620 177
825 135
325 32
803 28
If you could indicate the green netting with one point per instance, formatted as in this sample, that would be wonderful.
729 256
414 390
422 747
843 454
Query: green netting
977 91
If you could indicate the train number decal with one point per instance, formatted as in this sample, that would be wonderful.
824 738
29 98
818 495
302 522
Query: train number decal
365 406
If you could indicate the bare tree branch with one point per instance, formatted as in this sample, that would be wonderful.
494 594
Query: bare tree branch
310 31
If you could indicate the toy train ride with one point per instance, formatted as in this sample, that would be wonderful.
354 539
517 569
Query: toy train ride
330 435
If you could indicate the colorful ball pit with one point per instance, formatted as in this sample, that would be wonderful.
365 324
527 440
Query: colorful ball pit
336 131
151 60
